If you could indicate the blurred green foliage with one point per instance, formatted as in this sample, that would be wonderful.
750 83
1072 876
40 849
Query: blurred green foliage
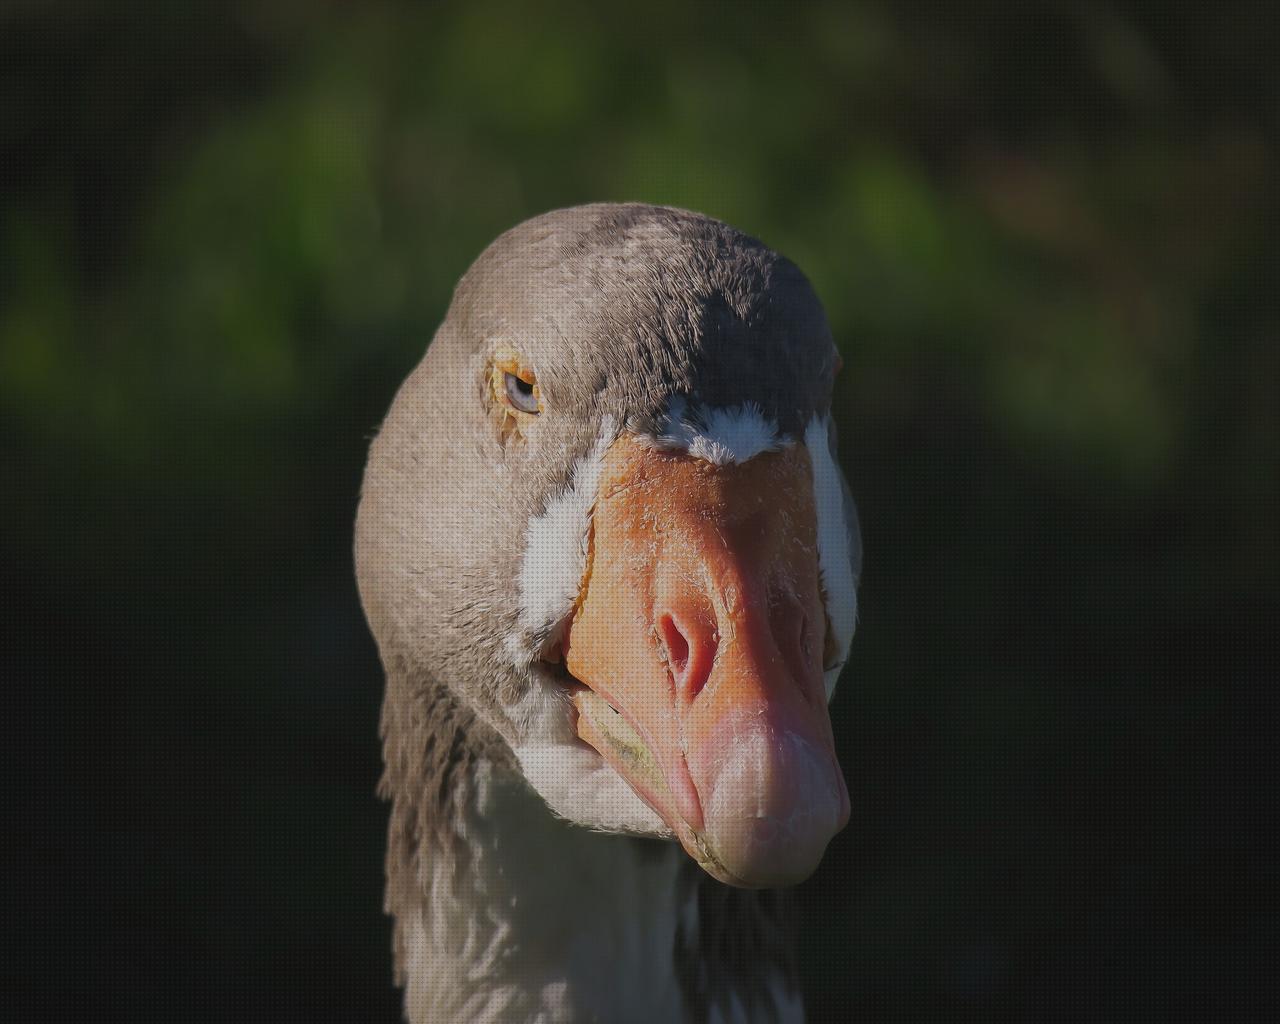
1046 237
315 221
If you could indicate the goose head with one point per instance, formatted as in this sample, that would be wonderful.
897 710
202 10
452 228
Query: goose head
604 516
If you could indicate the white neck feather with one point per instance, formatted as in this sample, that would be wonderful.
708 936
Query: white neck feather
543 921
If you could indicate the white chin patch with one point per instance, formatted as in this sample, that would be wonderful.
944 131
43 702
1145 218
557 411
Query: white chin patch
835 546
718 436
574 780
579 785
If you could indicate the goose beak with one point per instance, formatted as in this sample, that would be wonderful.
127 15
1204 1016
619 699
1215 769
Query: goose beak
699 640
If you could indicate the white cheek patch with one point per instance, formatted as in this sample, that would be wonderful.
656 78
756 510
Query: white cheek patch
555 552
835 549
718 436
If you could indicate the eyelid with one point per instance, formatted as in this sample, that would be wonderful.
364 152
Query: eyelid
508 360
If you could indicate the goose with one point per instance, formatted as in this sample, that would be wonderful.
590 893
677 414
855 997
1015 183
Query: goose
610 564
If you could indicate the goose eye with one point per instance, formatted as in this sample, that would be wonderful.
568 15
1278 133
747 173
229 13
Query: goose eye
520 393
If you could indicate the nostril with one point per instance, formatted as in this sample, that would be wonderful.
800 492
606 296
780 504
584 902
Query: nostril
690 649
676 645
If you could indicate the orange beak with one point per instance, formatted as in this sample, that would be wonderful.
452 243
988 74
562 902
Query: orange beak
699 639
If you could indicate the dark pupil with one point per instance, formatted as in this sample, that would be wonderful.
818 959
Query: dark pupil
523 386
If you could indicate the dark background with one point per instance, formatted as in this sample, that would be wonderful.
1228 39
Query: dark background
1046 236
